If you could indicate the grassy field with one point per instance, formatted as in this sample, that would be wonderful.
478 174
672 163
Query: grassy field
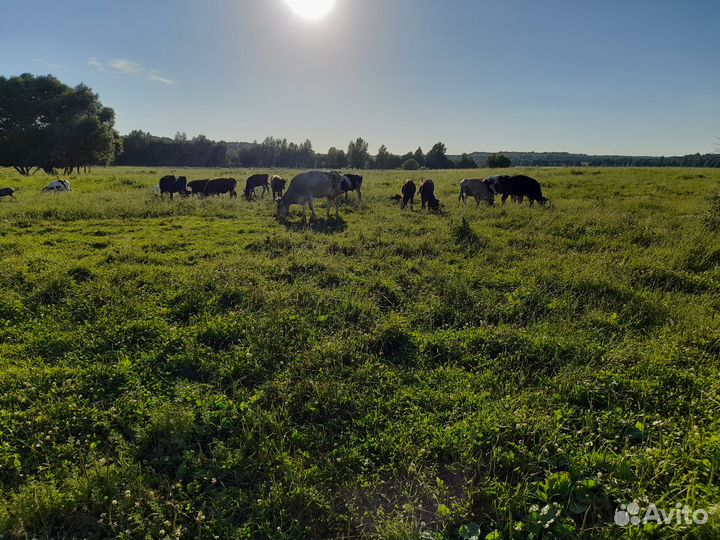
193 369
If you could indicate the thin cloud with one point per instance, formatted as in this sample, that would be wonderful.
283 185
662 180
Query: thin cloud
128 67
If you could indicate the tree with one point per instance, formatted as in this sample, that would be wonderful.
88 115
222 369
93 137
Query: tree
45 124
335 159
466 162
436 158
384 159
410 165
419 156
498 161
357 154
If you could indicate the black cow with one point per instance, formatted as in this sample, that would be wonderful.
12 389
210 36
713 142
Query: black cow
519 187
197 187
255 181
220 186
353 183
7 192
173 184
427 195
408 194
277 185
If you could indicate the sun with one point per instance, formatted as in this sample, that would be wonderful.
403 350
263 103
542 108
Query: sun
311 9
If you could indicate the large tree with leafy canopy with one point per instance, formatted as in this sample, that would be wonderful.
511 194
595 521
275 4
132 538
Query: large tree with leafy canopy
45 124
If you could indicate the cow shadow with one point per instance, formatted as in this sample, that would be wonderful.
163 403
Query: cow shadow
323 226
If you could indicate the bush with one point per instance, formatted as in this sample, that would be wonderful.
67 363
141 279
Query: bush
410 165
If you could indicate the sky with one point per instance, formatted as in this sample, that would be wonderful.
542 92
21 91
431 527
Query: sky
639 77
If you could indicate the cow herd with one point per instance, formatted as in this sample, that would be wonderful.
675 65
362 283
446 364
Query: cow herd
308 186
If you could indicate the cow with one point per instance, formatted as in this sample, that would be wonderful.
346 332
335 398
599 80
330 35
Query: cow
7 192
255 181
220 186
171 184
308 186
427 195
277 185
481 190
353 183
519 187
197 187
57 186
408 194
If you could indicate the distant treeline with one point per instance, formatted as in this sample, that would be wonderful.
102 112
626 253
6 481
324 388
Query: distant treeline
144 149
564 159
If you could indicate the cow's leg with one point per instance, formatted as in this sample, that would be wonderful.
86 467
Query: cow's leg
532 201
311 203
504 197
359 194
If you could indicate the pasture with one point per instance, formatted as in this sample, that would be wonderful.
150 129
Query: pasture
194 369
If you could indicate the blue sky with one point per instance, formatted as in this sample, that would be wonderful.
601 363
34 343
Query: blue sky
625 77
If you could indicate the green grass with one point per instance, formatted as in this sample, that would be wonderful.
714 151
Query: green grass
194 369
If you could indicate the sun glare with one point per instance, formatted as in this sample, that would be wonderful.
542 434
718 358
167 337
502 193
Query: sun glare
311 9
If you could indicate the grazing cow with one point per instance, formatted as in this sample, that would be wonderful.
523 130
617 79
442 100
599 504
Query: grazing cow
197 187
277 185
307 187
220 186
427 195
481 190
519 187
408 194
7 192
57 186
255 181
173 184
353 183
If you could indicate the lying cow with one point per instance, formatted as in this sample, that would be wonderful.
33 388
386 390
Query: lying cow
277 185
408 194
197 187
220 186
307 187
256 181
172 184
57 186
427 195
353 183
7 192
480 190
518 187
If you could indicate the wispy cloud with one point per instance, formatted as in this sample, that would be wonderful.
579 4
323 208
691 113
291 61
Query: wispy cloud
128 67
44 62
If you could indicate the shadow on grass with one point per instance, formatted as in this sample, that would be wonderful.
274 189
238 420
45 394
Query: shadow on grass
325 226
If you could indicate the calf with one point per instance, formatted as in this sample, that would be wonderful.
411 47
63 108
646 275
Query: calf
277 185
58 185
427 195
220 186
481 190
519 187
197 187
352 182
173 184
255 181
7 192
408 194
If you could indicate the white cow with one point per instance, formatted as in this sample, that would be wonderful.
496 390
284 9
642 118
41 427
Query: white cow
307 187
481 190
58 185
